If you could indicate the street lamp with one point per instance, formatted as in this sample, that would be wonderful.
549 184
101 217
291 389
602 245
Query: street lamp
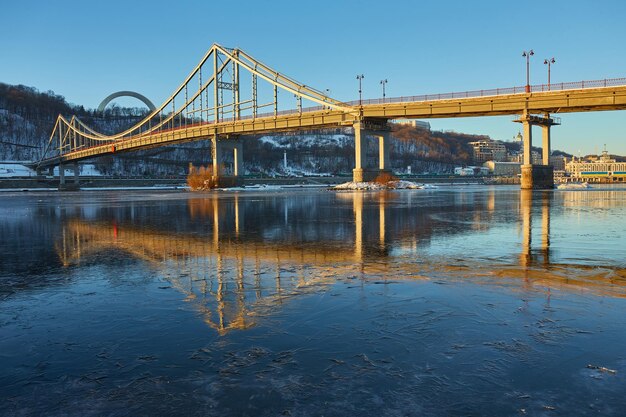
527 55
360 78
327 95
383 82
549 62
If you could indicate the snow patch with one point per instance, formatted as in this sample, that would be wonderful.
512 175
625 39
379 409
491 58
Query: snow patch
15 170
306 141
574 186
391 185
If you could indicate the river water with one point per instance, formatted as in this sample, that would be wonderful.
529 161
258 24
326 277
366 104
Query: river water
458 301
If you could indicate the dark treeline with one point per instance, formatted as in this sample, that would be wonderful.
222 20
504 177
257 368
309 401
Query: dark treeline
32 104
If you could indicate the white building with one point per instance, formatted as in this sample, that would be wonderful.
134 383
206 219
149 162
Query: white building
415 123
504 169
488 150
471 171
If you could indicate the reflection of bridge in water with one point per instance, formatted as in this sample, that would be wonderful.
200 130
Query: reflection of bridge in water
232 275
535 263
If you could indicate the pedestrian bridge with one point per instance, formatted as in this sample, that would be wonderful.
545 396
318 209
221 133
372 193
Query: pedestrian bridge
230 95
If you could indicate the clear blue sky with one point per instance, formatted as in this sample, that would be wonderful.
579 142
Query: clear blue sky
85 50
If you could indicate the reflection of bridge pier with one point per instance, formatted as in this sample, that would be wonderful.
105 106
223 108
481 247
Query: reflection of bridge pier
537 176
360 234
528 256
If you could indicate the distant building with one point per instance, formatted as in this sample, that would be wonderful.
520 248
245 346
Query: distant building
488 150
471 171
558 162
601 169
504 169
415 123
535 157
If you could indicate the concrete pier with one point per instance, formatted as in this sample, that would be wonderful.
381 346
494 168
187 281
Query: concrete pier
363 169
69 186
535 176
222 175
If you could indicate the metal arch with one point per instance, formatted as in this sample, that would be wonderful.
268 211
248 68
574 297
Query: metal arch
138 96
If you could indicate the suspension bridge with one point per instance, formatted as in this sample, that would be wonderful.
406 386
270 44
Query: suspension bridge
230 95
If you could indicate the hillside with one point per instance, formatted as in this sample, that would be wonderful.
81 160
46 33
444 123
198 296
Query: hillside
27 117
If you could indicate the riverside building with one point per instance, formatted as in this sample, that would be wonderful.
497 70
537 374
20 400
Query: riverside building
602 169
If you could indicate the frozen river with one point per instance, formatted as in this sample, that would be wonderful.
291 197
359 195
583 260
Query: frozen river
456 301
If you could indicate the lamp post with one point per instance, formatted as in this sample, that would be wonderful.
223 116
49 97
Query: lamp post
327 95
527 55
383 82
549 62
360 78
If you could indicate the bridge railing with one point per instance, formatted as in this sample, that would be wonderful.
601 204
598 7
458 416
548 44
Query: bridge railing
577 85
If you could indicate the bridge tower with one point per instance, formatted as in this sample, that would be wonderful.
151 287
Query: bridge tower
535 176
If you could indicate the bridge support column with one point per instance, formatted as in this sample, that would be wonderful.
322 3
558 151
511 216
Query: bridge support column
61 175
363 171
528 139
64 185
76 173
536 176
546 151
238 159
384 146
216 156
